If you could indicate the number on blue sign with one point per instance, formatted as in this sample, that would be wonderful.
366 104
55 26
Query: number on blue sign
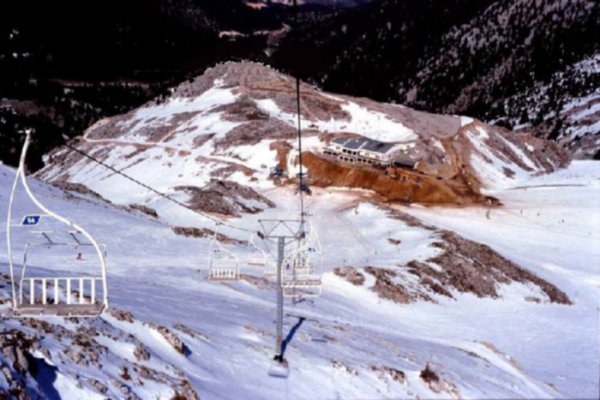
31 220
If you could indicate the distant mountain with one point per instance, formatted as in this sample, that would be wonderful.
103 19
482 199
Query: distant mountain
518 64
330 3
65 65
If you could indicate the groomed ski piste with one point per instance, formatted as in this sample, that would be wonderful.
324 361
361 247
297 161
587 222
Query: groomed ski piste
349 343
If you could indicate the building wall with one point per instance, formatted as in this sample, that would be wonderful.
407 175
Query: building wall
367 157
358 156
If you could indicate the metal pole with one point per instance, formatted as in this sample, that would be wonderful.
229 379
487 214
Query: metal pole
279 333
299 115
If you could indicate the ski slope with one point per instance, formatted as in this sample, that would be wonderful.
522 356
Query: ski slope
350 343
549 224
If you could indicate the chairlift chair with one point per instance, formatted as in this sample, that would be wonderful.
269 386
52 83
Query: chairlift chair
305 188
74 294
59 295
257 256
302 268
277 172
301 274
224 265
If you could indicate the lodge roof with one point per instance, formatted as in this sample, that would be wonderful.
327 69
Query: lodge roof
365 144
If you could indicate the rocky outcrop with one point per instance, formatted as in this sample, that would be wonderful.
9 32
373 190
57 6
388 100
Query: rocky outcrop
476 268
350 274
226 198
145 210
460 266
205 233
171 338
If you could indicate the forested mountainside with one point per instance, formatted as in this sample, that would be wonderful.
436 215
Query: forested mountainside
523 65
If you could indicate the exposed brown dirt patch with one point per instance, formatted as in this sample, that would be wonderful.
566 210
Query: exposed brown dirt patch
171 338
121 315
253 132
395 374
283 148
243 110
230 169
437 384
398 185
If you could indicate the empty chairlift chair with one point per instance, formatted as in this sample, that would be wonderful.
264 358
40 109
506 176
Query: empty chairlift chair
224 265
260 257
77 294
83 290
256 255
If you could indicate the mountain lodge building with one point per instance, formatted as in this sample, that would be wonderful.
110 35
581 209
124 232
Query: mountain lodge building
370 152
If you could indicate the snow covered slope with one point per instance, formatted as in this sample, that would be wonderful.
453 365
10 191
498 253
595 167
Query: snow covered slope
357 340
352 342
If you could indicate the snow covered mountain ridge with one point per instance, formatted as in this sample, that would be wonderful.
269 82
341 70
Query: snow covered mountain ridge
237 122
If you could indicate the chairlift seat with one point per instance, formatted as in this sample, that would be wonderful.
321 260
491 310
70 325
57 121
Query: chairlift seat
59 310
302 283
258 261
224 274
55 296
301 269
302 288
301 276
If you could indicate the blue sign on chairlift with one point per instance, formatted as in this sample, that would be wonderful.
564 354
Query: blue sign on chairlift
31 220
